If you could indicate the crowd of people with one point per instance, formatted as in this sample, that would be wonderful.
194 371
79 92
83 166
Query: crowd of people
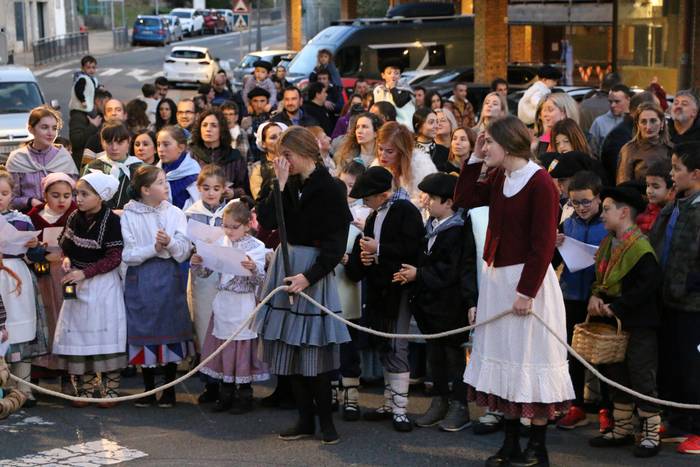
394 206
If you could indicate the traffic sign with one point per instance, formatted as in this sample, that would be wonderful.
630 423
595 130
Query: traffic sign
240 22
240 7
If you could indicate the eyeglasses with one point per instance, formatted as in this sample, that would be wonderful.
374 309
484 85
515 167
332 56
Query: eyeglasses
584 202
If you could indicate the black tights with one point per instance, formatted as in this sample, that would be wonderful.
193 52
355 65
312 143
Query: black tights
313 394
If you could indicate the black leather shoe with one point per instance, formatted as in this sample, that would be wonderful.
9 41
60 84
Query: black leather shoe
298 431
535 455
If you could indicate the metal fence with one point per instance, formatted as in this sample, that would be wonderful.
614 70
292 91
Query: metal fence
51 49
120 38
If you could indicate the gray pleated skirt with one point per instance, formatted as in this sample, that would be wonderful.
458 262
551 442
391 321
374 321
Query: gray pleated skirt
300 339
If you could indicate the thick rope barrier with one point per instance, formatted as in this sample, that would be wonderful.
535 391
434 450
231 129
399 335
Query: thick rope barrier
374 332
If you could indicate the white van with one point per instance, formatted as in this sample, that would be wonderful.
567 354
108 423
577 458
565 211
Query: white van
19 94
191 19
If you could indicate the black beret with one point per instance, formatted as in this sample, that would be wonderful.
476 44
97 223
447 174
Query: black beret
375 180
626 194
439 184
263 64
257 92
548 72
569 164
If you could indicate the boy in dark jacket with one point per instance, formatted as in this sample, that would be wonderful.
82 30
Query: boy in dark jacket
443 296
676 239
628 280
586 226
392 237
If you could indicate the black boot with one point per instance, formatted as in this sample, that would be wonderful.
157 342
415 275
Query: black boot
226 395
210 394
243 403
282 397
511 445
167 399
149 382
535 455
321 386
306 424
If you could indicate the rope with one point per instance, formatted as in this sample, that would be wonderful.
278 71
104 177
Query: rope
374 332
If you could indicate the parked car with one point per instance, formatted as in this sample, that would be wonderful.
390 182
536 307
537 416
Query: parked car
192 20
214 22
228 15
360 46
190 64
19 94
415 77
176 32
245 67
151 30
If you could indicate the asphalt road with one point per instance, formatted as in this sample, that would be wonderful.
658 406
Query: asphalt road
53 433
123 73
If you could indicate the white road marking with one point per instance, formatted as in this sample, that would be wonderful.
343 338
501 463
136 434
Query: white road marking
91 454
19 420
140 75
57 73
110 71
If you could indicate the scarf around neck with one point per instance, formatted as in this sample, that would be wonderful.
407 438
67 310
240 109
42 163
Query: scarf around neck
23 161
455 220
614 262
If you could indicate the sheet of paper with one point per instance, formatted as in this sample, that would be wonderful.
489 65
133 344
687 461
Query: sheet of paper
222 258
198 231
360 213
50 236
576 254
12 241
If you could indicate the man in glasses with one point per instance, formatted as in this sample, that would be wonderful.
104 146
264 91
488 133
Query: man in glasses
619 102
186 115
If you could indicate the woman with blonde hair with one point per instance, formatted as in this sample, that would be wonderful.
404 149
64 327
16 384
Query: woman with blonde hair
556 107
409 166
297 339
494 106
446 124
650 144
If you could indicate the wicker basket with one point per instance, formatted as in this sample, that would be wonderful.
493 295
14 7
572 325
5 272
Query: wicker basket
600 343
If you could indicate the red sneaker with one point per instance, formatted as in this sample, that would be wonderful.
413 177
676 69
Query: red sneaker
574 418
690 445
606 423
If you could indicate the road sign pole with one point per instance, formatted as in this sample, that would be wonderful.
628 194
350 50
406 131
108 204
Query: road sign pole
258 39
240 46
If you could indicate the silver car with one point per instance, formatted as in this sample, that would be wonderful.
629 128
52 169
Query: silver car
245 67
19 94
176 32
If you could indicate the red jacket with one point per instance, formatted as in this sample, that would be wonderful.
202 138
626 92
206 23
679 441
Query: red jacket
647 218
522 229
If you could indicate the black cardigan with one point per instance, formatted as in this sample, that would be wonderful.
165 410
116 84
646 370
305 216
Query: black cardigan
400 242
445 286
316 214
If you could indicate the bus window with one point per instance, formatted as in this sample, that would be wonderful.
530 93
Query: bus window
436 55
347 60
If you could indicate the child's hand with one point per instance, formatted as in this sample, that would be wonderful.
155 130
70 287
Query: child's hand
344 259
369 245
4 335
162 238
367 258
249 264
471 315
607 311
522 306
398 277
296 284
196 260
408 272
73 277
66 264
595 306
560 239
33 243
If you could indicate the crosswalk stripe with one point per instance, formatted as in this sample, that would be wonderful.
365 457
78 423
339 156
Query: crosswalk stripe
57 73
93 453
41 72
110 71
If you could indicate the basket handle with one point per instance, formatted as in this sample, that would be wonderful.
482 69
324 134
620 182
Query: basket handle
619 323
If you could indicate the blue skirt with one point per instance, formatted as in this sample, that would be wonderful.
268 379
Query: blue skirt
155 294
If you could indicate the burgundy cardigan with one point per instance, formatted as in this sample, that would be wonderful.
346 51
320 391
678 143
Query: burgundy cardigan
522 229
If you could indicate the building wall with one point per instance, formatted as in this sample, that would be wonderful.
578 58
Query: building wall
55 14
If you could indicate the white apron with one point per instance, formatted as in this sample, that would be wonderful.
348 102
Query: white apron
21 309
95 322
349 291
230 311
200 295
515 357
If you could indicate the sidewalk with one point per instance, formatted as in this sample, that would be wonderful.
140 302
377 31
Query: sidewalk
100 42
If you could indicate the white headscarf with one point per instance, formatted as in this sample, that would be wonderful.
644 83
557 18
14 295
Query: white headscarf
259 133
104 185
